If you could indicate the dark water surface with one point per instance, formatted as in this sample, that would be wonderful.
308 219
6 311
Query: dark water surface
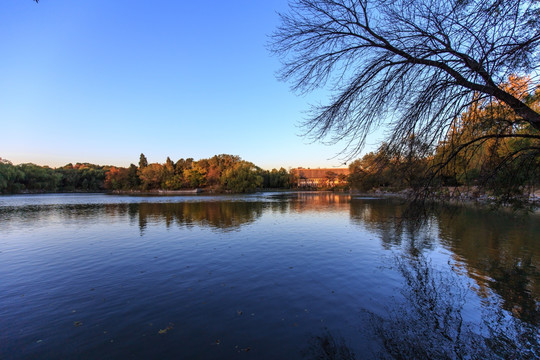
265 276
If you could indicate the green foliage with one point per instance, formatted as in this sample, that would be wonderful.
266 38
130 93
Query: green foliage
35 178
10 178
487 151
374 170
187 174
183 164
133 177
143 162
242 178
122 178
491 148
194 177
38 178
219 173
81 177
173 182
152 176
277 179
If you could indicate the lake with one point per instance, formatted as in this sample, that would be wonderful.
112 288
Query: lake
264 276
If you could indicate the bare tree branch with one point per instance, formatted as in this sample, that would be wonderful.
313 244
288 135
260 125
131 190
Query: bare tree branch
411 66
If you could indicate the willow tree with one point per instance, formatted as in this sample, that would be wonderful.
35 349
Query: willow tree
409 66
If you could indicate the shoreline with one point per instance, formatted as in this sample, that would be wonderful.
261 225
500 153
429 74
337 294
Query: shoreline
448 197
467 198
156 192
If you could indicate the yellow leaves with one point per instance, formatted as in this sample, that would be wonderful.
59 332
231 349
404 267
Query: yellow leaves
517 86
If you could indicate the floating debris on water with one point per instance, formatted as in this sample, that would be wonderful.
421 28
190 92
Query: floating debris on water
164 331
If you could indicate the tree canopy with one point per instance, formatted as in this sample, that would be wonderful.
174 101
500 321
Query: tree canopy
220 173
413 66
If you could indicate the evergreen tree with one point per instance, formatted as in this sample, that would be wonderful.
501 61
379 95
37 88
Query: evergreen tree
143 162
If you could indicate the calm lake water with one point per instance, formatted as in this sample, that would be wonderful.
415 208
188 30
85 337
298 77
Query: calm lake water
263 276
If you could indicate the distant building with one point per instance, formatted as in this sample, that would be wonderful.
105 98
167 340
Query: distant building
316 178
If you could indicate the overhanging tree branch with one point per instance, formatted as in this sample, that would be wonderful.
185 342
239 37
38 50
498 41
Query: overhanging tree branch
410 65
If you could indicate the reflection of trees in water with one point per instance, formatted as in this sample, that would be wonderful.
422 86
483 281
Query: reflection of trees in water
221 215
14 216
499 252
230 215
520 293
281 207
429 323
328 347
386 217
315 201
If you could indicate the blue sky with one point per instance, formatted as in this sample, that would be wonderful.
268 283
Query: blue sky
102 81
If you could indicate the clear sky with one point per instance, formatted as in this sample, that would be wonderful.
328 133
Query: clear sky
101 81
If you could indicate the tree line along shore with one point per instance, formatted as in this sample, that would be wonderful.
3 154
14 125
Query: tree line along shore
226 173
376 172
486 153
